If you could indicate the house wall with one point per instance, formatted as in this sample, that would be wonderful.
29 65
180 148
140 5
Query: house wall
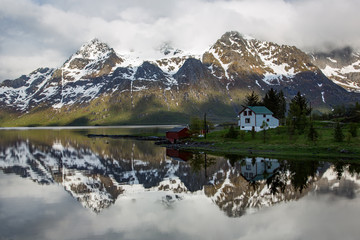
242 121
269 119
250 170
256 120
173 136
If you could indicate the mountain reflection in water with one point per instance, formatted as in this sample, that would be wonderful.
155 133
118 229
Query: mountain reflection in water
97 172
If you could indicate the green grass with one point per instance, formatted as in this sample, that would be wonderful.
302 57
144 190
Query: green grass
280 144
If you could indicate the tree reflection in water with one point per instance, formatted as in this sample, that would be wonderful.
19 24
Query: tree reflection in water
97 172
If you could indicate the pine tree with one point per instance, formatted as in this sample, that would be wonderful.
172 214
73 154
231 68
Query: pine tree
252 99
271 101
298 112
275 102
313 134
282 105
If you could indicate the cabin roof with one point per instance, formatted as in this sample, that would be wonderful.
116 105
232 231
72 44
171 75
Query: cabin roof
177 129
259 110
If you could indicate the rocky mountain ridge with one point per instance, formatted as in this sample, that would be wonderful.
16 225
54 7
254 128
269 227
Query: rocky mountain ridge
178 84
341 66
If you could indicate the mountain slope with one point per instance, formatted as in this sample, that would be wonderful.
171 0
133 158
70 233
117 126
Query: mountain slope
103 87
242 62
341 66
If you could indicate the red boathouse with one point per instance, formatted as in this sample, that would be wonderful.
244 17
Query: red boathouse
178 154
177 133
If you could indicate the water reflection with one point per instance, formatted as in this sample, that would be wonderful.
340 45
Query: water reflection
98 172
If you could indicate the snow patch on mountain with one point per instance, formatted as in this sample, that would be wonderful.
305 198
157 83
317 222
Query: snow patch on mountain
342 66
87 189
21 96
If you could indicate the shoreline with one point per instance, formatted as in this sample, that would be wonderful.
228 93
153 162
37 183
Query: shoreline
271 151
228 147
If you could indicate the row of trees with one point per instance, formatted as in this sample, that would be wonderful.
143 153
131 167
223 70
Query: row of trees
273 100
299 118
348 113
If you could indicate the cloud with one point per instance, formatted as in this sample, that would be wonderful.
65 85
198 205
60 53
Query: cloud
49 31
48 211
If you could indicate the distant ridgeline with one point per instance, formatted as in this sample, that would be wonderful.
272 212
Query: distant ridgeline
98 86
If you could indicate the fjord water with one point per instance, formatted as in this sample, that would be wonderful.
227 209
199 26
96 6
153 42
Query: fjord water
60 184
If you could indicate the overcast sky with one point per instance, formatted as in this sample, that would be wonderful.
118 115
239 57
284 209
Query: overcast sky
39 33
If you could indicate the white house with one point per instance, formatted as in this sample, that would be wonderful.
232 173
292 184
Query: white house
253 117
259 168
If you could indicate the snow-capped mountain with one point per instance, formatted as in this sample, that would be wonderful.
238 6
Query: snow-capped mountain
234 56
244 62
341 66
176 83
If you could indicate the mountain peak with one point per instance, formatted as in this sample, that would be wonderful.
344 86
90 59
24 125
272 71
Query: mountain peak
93 59
94 49
236 36
168 50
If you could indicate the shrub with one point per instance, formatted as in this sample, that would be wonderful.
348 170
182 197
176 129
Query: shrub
353 129
232 133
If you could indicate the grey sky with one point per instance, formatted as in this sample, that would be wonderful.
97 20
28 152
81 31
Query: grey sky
38 33
49 212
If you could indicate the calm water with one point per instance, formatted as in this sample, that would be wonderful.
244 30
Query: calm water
60 184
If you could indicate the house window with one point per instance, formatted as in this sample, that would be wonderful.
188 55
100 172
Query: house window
264 115
268 120
250 113
248 167
243 127
247 120
245 113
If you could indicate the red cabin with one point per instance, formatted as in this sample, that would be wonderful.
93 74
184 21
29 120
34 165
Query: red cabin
178 155
177 133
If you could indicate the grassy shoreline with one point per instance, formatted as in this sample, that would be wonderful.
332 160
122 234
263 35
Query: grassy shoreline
279 144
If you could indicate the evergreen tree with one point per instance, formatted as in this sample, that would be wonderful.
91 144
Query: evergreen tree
298 112
313 134
252 99
275 102
282 105
338 134
271 101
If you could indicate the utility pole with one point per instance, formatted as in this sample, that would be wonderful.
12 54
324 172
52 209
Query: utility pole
205 127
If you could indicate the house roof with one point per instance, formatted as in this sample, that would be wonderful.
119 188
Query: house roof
177 129
260 110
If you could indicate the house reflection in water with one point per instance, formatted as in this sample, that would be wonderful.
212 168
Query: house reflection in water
256 169
178 154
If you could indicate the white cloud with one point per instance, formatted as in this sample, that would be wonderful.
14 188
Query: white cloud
32 29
